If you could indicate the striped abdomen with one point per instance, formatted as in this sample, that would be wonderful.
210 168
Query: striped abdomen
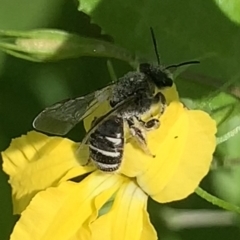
106 144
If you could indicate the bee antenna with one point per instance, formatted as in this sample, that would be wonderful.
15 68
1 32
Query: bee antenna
155 45
182 64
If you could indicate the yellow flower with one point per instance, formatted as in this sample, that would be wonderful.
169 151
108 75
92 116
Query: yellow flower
60 199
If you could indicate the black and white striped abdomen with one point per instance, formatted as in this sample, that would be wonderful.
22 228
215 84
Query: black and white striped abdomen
106 144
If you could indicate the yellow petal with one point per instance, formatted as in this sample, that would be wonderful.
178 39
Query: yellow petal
148 231
183 145
101 228
170 94
35 162
127 219
135 161
60 212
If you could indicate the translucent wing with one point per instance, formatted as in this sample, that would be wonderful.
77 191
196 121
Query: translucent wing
122 105
61 117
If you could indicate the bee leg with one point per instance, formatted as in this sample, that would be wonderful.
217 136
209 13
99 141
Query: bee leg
138 132
160 99
150 125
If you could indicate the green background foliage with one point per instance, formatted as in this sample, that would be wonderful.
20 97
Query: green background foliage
185 30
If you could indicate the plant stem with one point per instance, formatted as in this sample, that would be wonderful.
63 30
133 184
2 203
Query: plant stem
217 201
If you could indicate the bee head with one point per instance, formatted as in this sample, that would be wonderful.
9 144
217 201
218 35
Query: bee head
161 78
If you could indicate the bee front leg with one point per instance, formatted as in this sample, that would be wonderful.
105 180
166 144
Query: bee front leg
137 131
159 103
150 125
161 100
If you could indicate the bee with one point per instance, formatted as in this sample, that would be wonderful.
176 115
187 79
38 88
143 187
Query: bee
131 97
134 99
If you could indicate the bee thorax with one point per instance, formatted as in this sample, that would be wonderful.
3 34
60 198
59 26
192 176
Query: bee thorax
129 85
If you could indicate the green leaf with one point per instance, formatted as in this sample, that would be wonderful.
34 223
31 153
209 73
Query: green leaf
225 109
184 30
223 105
230 8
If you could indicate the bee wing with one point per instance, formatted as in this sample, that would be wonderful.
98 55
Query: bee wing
61 117
113 111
